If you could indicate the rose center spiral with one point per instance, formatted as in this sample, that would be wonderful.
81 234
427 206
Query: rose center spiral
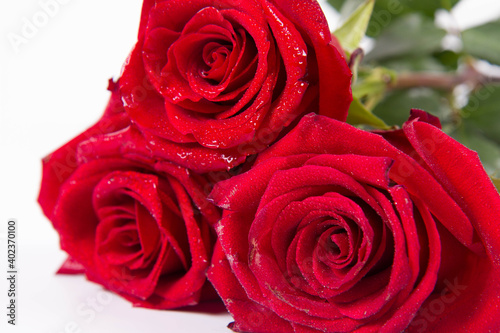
334 246
215 56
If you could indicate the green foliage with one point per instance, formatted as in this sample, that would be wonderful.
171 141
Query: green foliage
483 112
394 109
483 42
371 86
386 11
411 35
438 61
448 59
408 42
414 64
488 151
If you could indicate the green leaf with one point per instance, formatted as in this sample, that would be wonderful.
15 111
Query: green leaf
395 108
483 42
359 115
488 151
354 27
411 35
496 182
483 111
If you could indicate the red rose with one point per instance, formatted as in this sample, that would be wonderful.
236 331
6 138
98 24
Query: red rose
338 230
139 228
210 82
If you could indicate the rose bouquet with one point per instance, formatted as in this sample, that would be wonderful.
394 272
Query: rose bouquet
223 168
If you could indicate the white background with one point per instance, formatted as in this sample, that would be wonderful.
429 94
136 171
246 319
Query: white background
51 89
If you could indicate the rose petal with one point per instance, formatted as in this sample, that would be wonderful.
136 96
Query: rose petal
248 316
441 153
